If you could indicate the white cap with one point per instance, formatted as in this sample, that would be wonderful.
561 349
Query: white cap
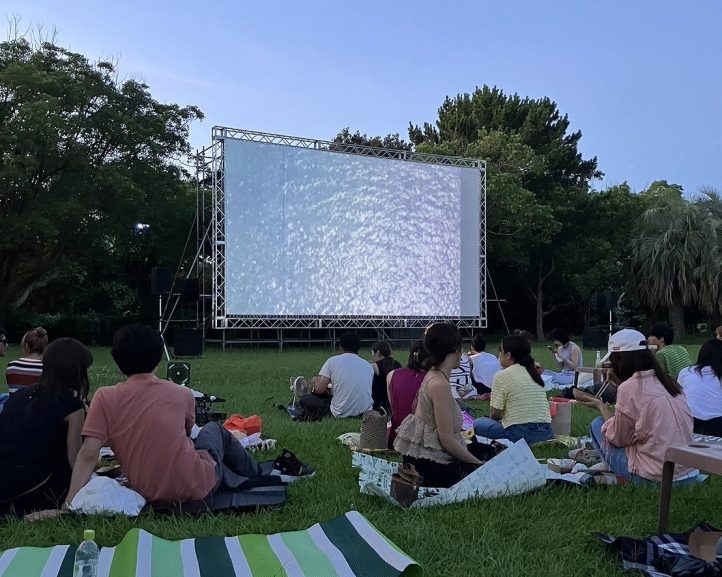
627 340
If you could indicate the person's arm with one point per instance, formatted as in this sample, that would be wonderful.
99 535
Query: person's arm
443 402
388 384
495 414
594 403
320 384
498 399
375 367
84 466
75 422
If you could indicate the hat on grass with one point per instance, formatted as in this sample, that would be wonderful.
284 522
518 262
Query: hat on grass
627 340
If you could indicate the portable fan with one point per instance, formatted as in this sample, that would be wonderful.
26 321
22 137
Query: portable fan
179 373
299 387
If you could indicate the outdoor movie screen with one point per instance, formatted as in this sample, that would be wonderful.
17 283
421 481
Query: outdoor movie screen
319 233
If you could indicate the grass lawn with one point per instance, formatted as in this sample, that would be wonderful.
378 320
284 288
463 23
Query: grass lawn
544 533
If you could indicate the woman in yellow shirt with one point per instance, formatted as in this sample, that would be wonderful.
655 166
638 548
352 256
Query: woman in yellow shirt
519 405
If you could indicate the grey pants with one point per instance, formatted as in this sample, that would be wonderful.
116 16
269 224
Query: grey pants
234 465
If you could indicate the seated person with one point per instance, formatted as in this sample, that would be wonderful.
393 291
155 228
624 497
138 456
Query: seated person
430 437
147 422
40 431
461 382
519 405
349 377
3 342
382 363
402 386
650 416
568 355
670 357
702 385
25 371
483 365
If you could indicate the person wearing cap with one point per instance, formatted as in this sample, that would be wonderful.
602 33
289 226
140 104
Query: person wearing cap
672 358
650 416
343 385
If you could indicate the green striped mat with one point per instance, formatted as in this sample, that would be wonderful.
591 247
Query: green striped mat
347 546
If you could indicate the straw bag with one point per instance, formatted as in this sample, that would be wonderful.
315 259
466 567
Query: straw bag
373 430
405 484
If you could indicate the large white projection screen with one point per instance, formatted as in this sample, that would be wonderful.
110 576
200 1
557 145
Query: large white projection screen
318 233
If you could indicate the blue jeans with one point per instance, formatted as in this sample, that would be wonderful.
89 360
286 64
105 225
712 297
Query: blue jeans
563 378
530 432
616 458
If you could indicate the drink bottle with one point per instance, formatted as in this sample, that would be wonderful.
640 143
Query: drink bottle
86 556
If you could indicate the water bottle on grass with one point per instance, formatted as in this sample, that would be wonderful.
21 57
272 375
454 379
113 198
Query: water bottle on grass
86 556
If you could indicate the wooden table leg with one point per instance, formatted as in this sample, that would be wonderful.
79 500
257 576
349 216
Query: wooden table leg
666 495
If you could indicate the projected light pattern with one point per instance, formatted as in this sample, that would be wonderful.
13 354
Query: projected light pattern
319 233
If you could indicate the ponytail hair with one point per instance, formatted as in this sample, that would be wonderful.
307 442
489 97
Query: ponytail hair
520 350
35 341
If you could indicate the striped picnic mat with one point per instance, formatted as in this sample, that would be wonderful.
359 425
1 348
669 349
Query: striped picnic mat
347 546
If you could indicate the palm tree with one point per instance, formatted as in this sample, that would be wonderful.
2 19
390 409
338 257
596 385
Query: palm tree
676 256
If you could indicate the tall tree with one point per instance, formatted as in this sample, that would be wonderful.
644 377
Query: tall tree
537 182
676 255
82 156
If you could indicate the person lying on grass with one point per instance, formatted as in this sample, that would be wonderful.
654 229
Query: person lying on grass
650 416
430 437
519 405
147 421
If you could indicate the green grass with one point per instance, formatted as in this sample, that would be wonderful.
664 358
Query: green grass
544 533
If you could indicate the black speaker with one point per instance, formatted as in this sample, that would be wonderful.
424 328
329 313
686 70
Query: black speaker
188 343
159 281
190 290
605 301
179 373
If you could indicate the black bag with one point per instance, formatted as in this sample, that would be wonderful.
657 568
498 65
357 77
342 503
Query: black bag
483 451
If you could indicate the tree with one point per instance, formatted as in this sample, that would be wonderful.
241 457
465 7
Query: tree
676 255
537 183
82 158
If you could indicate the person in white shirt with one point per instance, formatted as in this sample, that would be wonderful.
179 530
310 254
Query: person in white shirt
343 385
483 365
702 384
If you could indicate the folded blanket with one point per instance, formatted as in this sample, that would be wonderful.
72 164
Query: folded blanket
347 546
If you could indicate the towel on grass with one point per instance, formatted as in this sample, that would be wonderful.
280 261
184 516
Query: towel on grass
347 546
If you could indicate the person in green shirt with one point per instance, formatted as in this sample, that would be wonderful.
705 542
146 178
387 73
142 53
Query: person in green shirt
672 358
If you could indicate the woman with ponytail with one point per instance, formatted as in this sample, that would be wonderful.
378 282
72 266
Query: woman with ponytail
519 405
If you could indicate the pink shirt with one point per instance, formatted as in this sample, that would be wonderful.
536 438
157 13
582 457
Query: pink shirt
646 422
146 421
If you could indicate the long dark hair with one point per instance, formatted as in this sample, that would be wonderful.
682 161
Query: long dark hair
520 350
710 355
440 340
626 363
65 367
417 357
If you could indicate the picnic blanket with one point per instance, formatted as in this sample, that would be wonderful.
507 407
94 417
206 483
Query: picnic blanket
662 555
347 546
511 472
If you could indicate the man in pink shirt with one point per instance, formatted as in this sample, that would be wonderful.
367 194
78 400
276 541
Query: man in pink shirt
147 422
650 416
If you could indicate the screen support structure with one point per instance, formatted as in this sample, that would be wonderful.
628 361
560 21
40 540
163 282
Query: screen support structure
211 256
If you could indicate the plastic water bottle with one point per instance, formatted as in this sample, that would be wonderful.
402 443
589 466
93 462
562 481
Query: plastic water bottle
86 556
598 360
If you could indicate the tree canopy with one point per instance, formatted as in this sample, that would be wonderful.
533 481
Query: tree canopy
83 157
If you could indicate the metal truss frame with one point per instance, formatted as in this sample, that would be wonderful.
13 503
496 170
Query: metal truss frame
211 177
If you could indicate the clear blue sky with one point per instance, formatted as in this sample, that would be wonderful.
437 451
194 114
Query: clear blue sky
642 80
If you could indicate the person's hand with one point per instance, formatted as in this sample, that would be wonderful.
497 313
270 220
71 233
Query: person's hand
588 400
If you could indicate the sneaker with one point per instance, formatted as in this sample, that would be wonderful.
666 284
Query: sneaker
288 465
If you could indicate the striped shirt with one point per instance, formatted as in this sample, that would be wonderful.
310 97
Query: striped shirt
519 398
673 358
22 373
